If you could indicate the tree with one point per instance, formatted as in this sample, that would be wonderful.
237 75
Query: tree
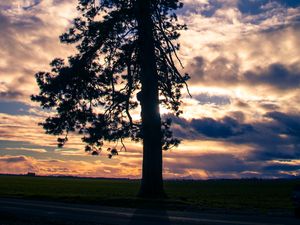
127 54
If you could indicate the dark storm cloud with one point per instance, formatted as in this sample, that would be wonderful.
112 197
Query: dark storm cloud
275 139
276 75
224 128
291 123
282 167
210 128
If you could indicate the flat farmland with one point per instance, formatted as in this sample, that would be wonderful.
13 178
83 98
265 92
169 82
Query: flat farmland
233 195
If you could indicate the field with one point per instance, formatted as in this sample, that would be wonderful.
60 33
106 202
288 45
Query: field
266 196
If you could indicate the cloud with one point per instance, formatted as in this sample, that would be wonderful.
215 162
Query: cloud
224 47
7 95
275 137
16 164
243 57
282 167
13 159
38 150
224 128
31 4
218 71
206 98
179 165
7 146
275 75
290 123
222 71
95 168
208 127
27 45
226 165
214 163
23 128
269 106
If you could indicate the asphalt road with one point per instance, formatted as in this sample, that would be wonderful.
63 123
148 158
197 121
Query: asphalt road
63 213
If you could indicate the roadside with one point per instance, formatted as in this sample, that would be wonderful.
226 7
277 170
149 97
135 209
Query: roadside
28 212
11 219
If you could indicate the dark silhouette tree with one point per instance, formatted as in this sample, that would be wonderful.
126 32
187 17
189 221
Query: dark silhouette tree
126 56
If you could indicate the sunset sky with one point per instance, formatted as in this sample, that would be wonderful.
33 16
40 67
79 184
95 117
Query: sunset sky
243 120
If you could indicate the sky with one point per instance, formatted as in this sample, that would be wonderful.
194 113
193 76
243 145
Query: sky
243 119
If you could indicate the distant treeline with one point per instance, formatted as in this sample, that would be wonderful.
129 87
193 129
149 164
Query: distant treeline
179 180
63 176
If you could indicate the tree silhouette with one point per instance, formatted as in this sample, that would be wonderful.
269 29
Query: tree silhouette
126 56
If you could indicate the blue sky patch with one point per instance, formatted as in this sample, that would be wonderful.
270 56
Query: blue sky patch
14 108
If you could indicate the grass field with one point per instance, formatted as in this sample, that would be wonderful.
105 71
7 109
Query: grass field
253 195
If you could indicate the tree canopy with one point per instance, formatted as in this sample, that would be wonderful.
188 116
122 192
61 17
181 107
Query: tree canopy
95 92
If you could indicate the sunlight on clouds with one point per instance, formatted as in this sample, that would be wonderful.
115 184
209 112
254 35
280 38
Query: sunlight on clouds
24 164
287 162
200 147
67 152
39 150
232 57
27 44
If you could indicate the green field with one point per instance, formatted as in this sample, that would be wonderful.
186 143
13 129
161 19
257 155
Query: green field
241 195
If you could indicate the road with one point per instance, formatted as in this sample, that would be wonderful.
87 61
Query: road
92 214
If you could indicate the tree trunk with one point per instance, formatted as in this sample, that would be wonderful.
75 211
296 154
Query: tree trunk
152 181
